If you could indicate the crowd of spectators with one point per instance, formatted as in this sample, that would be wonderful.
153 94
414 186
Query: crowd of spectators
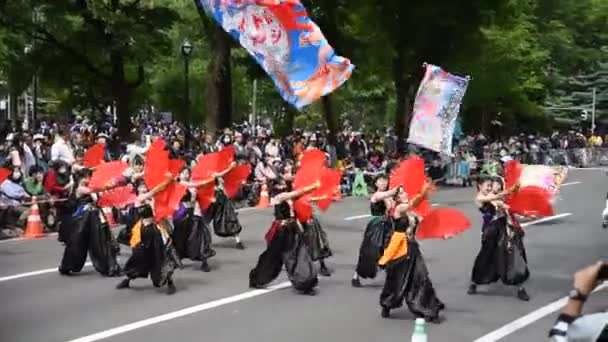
42 159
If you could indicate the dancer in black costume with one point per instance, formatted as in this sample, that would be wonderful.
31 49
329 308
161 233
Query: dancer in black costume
89 233
153 252
502 255
407 278
225 218
191 234
377 233
286 246
318 243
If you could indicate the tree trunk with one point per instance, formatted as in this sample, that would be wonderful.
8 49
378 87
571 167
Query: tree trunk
219 82
121 95
331 119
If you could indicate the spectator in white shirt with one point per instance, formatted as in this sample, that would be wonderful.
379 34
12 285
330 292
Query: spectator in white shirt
60 149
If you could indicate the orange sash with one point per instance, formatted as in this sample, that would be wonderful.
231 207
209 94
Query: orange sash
396 248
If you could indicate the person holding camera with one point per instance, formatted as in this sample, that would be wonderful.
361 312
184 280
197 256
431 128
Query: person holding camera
571 325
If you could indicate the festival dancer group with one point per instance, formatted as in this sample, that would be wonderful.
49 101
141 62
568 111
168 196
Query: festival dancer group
169 207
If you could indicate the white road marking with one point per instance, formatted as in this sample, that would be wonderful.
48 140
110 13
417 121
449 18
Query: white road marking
352 218
179 313
434 204
546 219
571 183
528 319
34 273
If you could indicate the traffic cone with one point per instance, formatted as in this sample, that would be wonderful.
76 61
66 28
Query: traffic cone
264 197
107 212
33 229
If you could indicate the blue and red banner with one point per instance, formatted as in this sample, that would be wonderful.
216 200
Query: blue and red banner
288 45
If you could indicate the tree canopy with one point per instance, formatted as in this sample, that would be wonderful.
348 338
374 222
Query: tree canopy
522 56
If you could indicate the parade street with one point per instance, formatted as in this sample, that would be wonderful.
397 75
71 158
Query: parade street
40 305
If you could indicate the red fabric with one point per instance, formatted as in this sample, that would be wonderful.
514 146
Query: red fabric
443 223
330 181
235 179
4 174
94 155
313 157
106 172
167 202
311 169
118 197
531 201
410 175
205 196
272 231
205 167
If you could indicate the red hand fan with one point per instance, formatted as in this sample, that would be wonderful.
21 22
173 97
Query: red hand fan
226 157
532 201
93 156
330 182
118 197
313 157
4 174
513 171
175 166
443 223
167 202
157 164
235 179
205 196
410 175
303 209
106 172
205 167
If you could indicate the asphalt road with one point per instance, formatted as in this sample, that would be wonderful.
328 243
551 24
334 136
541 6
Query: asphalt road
218 306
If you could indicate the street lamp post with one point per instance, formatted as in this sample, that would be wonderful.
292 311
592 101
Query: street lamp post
186 52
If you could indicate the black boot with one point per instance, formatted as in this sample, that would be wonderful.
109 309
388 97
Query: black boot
171 287
239 245
324 271
205 267
386 312
523 295
472 289
124 284
355 282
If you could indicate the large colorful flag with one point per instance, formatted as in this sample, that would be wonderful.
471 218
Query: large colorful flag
436 109
286 43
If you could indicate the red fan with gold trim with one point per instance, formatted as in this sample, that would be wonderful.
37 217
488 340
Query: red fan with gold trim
106 172
234 179
443 223
93 156
118 197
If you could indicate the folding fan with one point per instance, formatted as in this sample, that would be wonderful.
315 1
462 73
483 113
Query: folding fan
234 179
443 223
303 209
226 157
205 167
513 171
118 197
156 165
330 182
106 172
175 166
93 156
410 175
532 201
